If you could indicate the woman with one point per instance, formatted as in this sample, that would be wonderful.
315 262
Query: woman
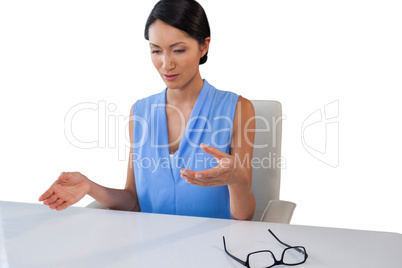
171 169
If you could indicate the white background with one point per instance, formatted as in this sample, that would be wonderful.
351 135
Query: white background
305 54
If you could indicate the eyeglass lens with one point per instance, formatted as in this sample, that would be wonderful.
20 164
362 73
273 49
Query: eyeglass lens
290 256
294 255
261 259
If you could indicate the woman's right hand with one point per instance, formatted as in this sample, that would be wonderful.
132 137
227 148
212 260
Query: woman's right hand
67 190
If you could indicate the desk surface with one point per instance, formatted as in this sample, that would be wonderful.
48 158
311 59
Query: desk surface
32 235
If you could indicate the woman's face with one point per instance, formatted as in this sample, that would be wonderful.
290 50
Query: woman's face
175 55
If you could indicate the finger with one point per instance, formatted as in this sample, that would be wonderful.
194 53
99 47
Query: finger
57 203
63 206
188 172
46 195
202 180
204 174
209 173
64 177
211 183
51 200
213 151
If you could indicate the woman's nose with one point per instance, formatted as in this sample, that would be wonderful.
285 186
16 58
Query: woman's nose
168 63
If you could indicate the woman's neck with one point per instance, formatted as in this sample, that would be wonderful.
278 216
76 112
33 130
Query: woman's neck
188 94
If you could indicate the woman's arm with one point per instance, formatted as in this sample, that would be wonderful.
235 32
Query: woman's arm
71 187
242 201
233 169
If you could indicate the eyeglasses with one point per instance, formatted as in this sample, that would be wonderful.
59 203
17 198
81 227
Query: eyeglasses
265 258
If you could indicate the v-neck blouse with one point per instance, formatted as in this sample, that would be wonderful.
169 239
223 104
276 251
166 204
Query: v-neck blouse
160 189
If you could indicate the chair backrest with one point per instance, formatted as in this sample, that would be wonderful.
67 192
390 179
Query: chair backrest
267 154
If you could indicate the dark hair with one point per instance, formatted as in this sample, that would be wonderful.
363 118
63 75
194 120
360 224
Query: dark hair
185 15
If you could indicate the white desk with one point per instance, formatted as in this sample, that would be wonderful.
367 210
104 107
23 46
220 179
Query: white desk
32 235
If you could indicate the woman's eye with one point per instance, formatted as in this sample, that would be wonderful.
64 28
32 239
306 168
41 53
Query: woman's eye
155 51
180 50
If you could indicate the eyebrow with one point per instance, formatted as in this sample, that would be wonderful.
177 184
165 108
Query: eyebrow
172 45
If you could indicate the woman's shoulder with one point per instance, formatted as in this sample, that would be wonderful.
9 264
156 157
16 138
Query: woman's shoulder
246 103
223 95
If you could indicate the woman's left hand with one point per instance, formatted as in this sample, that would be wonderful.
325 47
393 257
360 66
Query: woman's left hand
225 173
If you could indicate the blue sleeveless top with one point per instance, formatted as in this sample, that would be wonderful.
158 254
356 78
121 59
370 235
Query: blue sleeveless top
160 189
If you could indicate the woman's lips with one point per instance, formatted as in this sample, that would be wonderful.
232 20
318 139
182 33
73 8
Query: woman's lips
170 77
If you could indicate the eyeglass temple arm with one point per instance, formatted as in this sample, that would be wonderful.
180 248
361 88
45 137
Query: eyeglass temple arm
235 258
299 250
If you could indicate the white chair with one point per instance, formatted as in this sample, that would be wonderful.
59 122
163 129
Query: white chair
266 165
